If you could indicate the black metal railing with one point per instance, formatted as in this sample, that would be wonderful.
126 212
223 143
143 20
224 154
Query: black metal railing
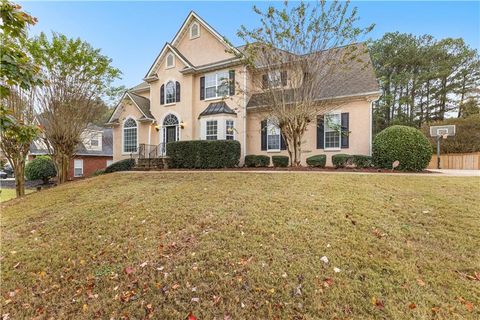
151 151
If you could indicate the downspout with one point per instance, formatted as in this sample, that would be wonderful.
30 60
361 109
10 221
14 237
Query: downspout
245 111
370 131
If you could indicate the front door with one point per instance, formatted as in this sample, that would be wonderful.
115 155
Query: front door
170 134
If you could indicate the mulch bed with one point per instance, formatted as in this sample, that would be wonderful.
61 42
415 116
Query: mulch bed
32 184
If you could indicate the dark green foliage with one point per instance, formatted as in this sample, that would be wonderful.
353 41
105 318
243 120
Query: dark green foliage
317 161
280 161
361 161
203 154
40 168
257 161
406 144
98 172
341 160
122 165
466 139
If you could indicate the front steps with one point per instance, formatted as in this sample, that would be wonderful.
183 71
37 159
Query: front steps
146 164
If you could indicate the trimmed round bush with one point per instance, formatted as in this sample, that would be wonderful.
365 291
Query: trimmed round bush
98 172
341 160
361 161
407 145
40 168
203 154
317 161
280 161
122 165
253 160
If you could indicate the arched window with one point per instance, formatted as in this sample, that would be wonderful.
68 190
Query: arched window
170 92
194 31
130 137
170 60
170 120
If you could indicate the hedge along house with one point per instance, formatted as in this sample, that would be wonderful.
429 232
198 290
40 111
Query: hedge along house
94 152
199 88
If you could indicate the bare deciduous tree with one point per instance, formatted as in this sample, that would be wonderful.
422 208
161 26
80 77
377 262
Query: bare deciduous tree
76 77
299 56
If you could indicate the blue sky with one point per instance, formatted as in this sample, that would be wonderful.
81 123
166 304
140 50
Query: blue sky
132 33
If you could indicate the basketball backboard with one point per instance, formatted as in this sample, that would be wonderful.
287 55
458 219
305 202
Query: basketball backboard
446 130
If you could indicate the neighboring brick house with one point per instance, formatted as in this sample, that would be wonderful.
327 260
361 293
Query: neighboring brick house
198 89
95 152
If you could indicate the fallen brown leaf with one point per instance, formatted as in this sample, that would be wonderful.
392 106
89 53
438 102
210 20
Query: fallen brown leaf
412 306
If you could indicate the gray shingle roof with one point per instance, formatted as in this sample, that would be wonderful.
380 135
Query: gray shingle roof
38 148
354 78
140 86
217 108
143 103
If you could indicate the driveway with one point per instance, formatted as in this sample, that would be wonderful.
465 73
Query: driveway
457 173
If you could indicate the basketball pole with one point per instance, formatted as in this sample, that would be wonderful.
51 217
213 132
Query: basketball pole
438 151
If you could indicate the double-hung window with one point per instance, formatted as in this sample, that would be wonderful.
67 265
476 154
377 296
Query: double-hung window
229 130
275 78
129 136
332 131
216 84
78 167
211 130
273 136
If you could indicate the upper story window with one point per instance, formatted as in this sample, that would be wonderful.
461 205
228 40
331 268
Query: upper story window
170 92
94 142
130 138
170 61
332 131
273 136
274 79
229 130
194 30
216 84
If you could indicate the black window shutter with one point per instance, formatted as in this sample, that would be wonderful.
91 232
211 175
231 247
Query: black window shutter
320 132
177 91
264 81
202 88
232 82
162 94
283 77
283 143
345 130
263 126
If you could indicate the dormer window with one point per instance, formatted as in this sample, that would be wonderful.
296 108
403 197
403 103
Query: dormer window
170 62
194 30
94 142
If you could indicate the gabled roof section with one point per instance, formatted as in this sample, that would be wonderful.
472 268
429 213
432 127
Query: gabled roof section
164 50
142 103
140 87
217 108
193 15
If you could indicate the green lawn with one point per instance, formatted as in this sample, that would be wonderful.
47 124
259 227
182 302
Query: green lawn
244 246
7 194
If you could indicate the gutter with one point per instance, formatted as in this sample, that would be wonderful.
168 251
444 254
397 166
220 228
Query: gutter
245 111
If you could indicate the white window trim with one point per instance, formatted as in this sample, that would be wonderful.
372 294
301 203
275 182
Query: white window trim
190 31
170 54
279 137
206 129
339 148
270 79
108 162
123 136
216 97
233 132
174 93
75 167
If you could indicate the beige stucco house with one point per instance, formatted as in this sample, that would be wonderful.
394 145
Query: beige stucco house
198 88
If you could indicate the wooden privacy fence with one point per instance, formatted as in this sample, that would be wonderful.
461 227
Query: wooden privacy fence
466 161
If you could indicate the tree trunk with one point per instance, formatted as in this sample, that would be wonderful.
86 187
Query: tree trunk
62 161
20 179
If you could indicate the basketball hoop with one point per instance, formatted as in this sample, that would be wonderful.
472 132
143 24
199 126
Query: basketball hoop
440 133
